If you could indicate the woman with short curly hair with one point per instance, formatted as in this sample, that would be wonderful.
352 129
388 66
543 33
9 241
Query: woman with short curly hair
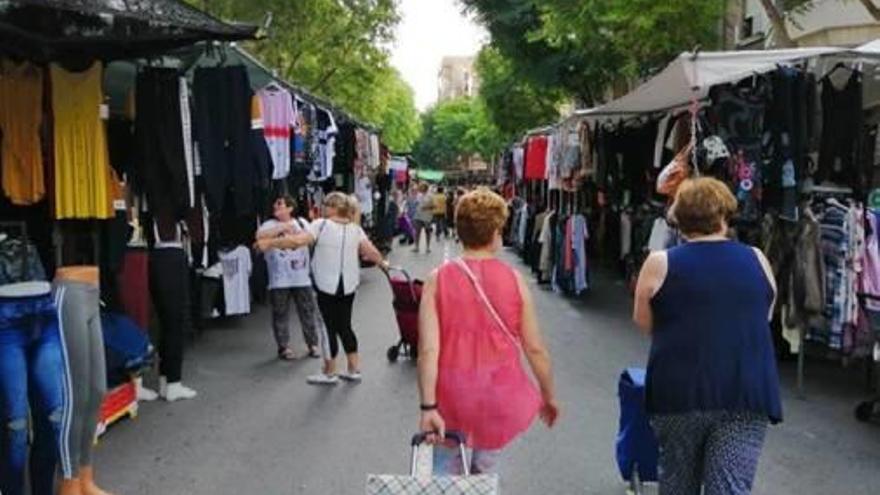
475 321
712 383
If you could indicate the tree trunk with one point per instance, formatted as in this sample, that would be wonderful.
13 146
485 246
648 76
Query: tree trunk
872 9
780 31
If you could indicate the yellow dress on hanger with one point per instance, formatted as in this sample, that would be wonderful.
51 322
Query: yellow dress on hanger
82 161
21 114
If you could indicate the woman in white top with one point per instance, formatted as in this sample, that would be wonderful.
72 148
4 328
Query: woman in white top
290 280
338 245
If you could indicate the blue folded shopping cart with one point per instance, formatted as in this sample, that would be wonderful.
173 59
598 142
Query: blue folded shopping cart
637 449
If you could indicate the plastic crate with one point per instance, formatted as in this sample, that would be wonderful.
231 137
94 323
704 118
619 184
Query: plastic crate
118 403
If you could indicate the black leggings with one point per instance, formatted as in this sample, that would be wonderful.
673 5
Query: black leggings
336 311
169 287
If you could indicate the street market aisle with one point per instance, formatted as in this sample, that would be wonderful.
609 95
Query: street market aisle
257 428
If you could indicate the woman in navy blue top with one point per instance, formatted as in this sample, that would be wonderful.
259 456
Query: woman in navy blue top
712 383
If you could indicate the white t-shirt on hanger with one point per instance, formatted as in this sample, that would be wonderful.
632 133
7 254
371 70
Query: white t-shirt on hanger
236 280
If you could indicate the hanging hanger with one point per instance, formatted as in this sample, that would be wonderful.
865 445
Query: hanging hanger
273 86
838 66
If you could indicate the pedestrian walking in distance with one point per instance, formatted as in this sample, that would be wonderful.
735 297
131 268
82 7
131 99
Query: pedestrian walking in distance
424 217
338 243
290 280
712 385
476 320
439 221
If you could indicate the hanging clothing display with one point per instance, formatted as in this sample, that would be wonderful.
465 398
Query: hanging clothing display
364 192
81 172
842 118
21 118
279 119
843 245
160 150
302 136
233 156
869 277
237 269
570 273
375 159
518 161
535 165
324 147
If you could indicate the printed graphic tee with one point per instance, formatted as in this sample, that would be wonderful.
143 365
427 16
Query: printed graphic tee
236 280
288 268
279 119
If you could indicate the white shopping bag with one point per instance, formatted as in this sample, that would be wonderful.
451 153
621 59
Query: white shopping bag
421 482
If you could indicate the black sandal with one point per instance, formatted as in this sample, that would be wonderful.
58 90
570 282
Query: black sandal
313 353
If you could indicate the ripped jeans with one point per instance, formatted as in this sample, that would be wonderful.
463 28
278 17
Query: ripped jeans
30 388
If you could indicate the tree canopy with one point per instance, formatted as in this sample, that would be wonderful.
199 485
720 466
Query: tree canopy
583 47
456 129
514 104
337 49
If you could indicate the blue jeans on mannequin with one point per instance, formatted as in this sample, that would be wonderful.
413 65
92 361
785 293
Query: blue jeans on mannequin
30 386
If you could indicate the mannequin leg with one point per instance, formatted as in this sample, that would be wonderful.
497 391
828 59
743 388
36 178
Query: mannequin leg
45 372
98 389
85 378
87 482
13 410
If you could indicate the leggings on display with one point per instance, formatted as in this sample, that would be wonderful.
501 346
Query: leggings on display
336 310
30 385
169 286
85 372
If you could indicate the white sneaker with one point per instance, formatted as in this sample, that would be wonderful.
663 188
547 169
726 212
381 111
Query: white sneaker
352 376
144 394
322 379
177 391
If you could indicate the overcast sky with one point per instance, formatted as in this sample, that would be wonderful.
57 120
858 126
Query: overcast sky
430 30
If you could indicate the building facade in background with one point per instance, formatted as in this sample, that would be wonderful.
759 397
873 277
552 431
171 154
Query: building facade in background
822 23
457 78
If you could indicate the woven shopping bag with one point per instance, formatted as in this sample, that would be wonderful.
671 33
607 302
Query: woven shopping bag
415 484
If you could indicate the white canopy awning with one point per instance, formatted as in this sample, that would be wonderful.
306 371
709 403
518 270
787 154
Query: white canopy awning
690 76
870 48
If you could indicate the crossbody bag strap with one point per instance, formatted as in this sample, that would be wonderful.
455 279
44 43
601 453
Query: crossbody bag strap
486 302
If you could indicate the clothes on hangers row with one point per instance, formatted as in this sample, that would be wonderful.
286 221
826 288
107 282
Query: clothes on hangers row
823 263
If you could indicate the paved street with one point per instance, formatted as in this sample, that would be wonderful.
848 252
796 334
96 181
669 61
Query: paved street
257 428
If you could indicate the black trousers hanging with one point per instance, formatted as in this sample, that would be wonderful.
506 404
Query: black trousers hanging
159 148
169 288
222 125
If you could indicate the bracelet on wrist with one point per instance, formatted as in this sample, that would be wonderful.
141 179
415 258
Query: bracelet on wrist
428 407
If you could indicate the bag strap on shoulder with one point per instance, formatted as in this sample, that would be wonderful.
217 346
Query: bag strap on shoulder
486 302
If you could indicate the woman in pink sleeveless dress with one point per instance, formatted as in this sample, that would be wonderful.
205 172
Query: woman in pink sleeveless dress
476 321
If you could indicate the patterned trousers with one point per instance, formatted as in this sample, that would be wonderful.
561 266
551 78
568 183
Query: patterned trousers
306 304
714 450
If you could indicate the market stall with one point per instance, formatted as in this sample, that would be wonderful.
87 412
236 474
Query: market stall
794 135
72 187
